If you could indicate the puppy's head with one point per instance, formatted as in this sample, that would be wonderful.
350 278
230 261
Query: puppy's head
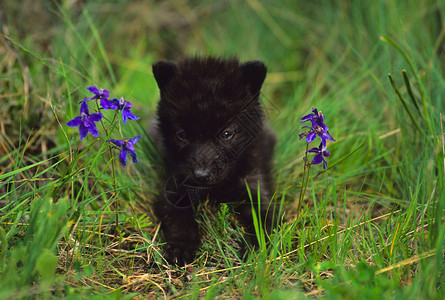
208 114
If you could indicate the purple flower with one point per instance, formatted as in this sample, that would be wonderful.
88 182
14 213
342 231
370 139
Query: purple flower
318 128
101 95
316 115
124 107
85 121
321 151
126 148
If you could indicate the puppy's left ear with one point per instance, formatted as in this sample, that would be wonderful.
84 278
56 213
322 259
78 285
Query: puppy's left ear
163 71
253 74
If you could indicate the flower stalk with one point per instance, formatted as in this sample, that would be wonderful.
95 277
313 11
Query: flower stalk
317 129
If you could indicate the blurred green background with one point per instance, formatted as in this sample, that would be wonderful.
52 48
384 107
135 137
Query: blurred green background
375 69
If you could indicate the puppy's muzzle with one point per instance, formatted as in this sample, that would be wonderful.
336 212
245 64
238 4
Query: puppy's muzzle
202 174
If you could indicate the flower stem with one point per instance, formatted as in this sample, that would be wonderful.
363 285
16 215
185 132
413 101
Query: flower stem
113 169
109 148
305 180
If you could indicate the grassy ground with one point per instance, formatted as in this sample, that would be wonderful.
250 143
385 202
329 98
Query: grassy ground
74 223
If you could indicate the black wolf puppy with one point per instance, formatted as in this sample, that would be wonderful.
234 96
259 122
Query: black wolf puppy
210 129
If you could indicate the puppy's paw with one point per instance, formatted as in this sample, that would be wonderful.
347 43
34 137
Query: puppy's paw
180 254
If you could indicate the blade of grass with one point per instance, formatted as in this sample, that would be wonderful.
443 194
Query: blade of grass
409 59
410 90
405 106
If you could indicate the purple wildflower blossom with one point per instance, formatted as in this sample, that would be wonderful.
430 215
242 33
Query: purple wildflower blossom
124 106
315 115
85 121
318 128
126 148
102 95
321 151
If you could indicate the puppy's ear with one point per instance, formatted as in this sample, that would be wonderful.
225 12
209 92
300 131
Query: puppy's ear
163 71
253 74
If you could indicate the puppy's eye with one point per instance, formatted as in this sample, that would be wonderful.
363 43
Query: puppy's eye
227 135
181 135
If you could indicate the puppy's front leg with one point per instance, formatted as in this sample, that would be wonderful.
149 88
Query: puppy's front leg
181 233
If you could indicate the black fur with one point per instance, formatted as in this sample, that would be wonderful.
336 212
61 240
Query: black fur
210 128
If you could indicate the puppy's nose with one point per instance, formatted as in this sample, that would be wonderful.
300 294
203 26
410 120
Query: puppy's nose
202 173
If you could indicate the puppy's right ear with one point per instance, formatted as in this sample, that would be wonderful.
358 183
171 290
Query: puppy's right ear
253 74
163 71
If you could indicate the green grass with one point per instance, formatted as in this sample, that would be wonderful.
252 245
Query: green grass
74 223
